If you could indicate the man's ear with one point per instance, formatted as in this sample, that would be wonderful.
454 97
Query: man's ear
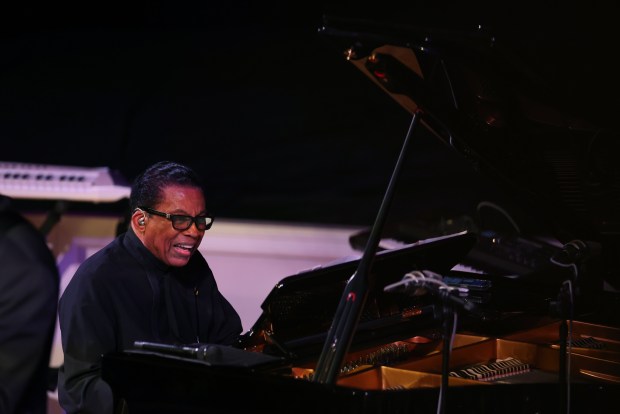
138 218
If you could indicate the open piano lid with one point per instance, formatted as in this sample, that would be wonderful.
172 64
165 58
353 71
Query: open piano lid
530 109
299 310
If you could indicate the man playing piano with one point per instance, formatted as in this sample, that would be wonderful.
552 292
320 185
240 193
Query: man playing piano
149 284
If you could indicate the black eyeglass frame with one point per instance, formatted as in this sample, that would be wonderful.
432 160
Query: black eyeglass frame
174 219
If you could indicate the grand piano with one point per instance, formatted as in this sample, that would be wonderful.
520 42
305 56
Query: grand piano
406 330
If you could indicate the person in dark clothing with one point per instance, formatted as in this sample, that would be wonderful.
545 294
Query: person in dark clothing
29 283
149 284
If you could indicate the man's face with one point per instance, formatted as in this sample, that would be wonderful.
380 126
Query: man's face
171 246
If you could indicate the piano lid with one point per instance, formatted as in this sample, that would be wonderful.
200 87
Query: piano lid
299 310
520 105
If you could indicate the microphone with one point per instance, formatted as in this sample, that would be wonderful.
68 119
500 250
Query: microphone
574 252
417 282
197 351
214 354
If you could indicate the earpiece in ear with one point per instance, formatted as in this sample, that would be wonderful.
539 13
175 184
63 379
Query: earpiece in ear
141 221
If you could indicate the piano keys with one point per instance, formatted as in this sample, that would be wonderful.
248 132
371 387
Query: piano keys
69 183
61 185
493 370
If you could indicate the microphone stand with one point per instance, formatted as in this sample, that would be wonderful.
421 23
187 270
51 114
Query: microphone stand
570 256
563 379
355 293
448 320
450 301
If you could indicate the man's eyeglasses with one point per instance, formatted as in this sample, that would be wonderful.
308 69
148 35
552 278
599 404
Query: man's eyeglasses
182 222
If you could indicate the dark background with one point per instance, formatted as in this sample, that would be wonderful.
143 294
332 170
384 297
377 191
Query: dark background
279 124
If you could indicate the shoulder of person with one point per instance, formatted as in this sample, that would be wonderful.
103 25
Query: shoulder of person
9 219
109 258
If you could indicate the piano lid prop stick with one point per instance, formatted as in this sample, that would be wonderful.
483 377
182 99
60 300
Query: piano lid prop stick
355 293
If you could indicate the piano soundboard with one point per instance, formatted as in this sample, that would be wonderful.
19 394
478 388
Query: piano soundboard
52 182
